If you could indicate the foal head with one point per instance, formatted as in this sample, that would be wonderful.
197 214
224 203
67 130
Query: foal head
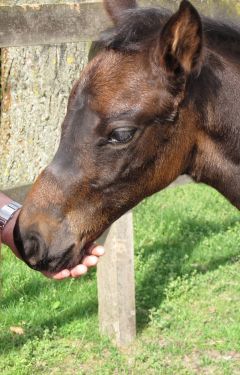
127 134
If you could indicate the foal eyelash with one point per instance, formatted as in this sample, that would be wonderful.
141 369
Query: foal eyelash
169 118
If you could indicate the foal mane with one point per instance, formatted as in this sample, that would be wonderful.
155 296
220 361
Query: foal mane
139 26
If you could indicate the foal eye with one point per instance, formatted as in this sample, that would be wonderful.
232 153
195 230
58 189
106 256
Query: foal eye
122 135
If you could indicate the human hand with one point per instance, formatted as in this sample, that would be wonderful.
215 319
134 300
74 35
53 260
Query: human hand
89 260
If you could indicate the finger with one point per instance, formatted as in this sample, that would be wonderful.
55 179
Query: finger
57 276
96 250
90 261
79 270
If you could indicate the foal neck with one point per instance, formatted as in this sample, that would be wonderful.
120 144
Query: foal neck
216 160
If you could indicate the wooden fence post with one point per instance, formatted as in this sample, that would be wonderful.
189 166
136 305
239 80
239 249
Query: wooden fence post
116 284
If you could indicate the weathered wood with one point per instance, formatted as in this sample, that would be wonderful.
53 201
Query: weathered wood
50 24
36 83
28 25
116 285
47 24
18 193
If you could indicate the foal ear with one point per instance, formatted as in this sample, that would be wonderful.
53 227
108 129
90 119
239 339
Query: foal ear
181 40
115 8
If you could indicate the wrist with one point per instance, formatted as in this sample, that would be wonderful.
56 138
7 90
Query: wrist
7 232
9 211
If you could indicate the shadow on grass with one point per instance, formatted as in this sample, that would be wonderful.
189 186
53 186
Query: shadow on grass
34 288
79 311
168 259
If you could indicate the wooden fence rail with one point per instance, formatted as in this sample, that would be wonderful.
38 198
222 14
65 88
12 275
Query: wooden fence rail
29 25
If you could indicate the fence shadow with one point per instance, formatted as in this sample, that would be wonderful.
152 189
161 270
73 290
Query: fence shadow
167 260
8 342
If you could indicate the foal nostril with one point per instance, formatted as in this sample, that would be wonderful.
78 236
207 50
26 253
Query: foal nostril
40 256
34 248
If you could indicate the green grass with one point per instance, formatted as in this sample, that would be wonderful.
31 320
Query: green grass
187 243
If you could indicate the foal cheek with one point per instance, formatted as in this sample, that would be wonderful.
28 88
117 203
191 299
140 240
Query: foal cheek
87 218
